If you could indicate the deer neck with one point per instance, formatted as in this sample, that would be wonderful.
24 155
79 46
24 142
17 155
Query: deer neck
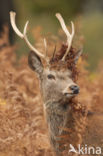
57 107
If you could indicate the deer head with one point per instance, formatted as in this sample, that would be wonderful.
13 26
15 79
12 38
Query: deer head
55 84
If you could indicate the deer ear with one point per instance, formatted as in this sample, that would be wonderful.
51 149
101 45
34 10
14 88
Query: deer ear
35 63
79 53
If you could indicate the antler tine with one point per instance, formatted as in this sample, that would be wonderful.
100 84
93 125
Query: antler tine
68 34
45 46
23 35
12 19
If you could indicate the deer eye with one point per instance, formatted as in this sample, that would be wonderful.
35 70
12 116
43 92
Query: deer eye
50 76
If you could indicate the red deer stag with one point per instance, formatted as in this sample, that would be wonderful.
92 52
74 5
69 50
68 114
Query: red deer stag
57 85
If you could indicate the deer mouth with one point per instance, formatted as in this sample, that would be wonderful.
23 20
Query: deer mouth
74 93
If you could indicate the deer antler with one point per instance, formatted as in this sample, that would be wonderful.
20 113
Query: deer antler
23 35
68 34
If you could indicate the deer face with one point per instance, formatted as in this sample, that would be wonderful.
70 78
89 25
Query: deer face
58 85
55 85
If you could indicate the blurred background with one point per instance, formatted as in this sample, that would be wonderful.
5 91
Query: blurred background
41 15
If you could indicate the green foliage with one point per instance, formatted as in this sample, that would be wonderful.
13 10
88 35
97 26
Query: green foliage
92 30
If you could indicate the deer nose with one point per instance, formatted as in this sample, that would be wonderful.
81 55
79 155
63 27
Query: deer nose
75 89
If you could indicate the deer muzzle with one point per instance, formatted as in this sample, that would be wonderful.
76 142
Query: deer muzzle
72 89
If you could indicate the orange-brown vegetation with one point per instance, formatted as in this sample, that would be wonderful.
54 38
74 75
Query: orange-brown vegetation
23 131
